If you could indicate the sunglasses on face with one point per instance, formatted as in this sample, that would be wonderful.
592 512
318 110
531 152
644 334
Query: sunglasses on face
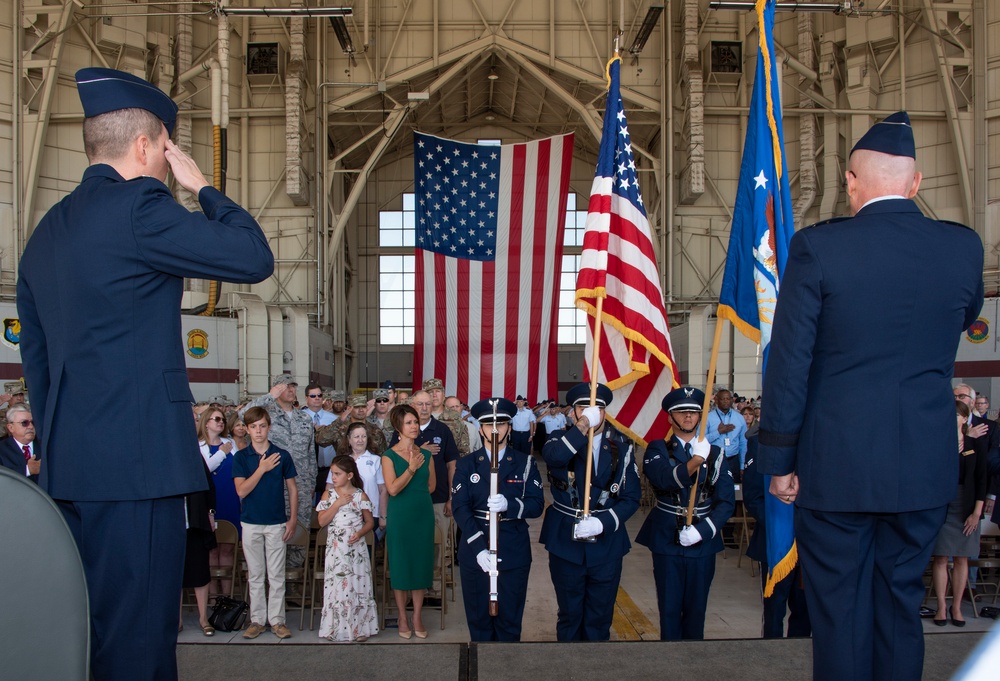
25 423
217 419
316 395
382 399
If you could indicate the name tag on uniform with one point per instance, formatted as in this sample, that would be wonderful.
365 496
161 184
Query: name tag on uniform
726 441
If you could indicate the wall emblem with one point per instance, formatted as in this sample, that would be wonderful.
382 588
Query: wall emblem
12 333
979 331
197 344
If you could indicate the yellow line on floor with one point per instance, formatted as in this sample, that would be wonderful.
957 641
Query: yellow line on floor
630 623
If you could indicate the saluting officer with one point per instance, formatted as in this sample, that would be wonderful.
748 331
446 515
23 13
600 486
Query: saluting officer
519 497
586 574
684 555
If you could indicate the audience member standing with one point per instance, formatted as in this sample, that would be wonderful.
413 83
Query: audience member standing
959 536
726 429
320 417
369 467
263 474
292 430
380 412
218 452
349 612
410 481
522 427
200 521
98 297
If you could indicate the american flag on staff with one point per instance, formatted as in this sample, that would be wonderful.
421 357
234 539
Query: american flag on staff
489 237
618 264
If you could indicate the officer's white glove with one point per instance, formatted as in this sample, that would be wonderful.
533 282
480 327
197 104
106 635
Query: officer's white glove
700 448
487 562
588 527
593 416
496 503
689 536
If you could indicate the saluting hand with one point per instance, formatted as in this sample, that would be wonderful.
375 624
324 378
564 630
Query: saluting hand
185 170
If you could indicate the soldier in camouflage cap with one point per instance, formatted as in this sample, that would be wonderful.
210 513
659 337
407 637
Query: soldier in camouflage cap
339 406
292 430
335 433
380 413
435 388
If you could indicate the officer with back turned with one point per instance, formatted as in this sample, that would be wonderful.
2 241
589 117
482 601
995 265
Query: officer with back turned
684 555
519 496
586 572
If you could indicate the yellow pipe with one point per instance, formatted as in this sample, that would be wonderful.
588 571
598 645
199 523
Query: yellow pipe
213 286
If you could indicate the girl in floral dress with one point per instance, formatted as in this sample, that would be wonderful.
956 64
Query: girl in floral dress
348 603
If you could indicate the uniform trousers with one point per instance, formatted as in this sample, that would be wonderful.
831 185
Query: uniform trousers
264 549
521 440
133 559
512 587
788 596
586 597
864 586
682 584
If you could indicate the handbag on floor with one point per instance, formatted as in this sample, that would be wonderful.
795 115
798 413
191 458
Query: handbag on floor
228 614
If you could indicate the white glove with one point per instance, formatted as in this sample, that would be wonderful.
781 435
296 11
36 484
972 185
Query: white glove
588 527
487 562
593 416
700 448
496 503
689 536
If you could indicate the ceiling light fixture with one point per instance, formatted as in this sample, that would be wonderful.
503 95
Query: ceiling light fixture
646 29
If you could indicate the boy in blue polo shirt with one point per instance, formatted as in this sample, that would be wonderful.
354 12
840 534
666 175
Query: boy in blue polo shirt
259 472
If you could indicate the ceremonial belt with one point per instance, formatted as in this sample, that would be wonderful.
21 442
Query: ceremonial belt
575 512
606 493
700 511
485 515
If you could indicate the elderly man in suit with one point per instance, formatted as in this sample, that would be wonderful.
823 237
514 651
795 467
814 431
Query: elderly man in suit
98 295
17 452
870 313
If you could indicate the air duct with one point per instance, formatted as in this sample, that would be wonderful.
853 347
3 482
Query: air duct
807 126
296 179
692 179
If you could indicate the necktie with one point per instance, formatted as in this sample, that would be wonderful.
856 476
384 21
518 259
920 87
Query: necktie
316 418
687 449
27 453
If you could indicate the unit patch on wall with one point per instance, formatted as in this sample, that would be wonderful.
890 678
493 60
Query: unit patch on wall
979 331
12 333
197 344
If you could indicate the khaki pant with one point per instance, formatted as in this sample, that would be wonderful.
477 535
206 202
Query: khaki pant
264 549
443 523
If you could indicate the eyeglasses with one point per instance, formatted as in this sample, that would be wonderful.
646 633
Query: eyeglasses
382 399
315 395
217 419
963 396
25 423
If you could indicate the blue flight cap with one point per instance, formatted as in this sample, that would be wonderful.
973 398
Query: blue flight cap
892 135
104 90
580 395
389 385
482 410
684 398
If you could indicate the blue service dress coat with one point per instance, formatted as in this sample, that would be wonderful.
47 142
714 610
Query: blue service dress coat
665 466
615 493
521 484
870 314
98 294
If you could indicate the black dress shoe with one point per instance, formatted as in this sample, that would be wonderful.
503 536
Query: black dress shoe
958 623
941 623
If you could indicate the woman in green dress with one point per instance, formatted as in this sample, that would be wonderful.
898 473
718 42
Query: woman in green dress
409 480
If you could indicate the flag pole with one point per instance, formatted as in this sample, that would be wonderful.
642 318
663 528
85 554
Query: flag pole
719 321
593 403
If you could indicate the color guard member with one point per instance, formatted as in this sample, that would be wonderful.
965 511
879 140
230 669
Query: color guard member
519 497
684 555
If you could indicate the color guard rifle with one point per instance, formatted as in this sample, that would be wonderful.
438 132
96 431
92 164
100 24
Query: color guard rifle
494 517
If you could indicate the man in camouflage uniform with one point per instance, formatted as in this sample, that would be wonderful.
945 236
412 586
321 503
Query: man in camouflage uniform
335 433
292 430
453 419
379 417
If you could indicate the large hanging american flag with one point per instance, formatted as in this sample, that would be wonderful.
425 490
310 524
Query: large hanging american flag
618 264
489 241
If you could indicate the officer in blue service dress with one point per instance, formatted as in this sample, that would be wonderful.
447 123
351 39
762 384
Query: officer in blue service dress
519 496
99 295
586 574
870 315
684 555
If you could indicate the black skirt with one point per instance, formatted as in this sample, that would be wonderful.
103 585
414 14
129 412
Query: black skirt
196 569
